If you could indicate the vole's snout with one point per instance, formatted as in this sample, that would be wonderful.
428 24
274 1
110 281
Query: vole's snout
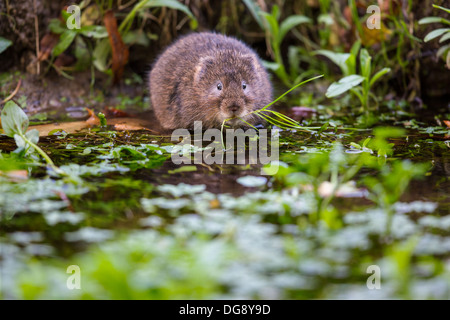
234 108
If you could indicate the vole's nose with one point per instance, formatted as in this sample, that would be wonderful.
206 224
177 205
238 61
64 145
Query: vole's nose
234 108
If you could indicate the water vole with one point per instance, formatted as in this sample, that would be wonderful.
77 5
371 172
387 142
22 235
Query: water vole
208 77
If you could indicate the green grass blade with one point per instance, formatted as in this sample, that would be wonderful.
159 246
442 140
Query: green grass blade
293 88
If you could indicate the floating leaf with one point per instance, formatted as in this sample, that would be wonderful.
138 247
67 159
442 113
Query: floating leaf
252 181
183 169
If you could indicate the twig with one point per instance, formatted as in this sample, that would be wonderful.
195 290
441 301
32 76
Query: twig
14 92
36 27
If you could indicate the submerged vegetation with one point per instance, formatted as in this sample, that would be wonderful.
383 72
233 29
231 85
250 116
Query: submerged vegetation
362 181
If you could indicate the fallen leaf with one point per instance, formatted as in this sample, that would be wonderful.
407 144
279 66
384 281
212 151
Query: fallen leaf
127 127
15 175
93 120
64 60
447 123
48 42
69 127
119 124
371 37
90 15
113 112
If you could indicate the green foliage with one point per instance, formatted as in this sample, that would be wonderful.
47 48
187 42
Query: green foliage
4 44
145 4
102 118
276 118
444 33
92 46
275 33
334 207
296 234
144 156
15 124
359 84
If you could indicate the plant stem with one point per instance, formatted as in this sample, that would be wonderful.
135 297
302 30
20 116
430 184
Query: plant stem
281 72
42 153
131 15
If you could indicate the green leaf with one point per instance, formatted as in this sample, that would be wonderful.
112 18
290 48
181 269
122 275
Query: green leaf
338 58
343 85
4 44
365 61
21 144
323 127
252 181
14 120
255 11
272 66
33 135
293 59
272 24
433 20
82 54
276 12
444 37
64 42
102 118
290 23
56 26
326 19
442 8
136 37
378 75
100 54
96 32
436 33
366 142
173 4
65 15
442 50
351 62
183 169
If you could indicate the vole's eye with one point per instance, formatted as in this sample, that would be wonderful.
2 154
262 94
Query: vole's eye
244 85
219 86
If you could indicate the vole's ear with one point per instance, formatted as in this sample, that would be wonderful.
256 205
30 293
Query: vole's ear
252 62
202 67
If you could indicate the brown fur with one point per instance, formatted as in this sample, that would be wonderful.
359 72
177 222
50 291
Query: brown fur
184 80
